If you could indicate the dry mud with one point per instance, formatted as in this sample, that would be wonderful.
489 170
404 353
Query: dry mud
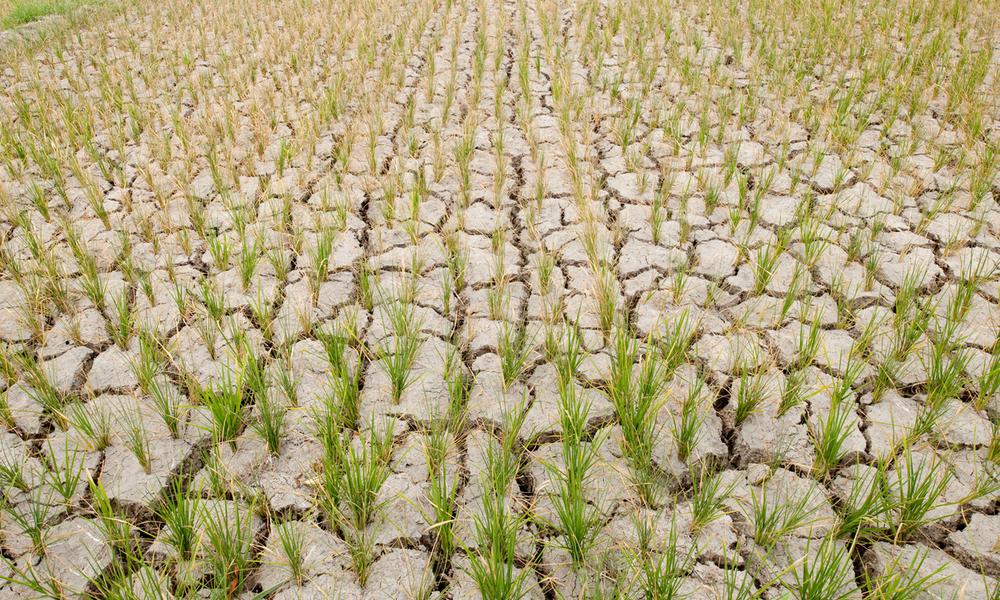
458 237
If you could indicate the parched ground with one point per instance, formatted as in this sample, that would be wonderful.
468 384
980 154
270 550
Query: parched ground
513 299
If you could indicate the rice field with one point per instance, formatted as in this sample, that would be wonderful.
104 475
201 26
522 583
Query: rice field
524 299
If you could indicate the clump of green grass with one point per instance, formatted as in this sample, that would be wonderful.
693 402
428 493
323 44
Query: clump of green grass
636 386
224 402
229 535
398 353
830 435
749 395
708 498
514 349
94 423
493 565
826 575
863 515
738 585
443 492
40 387
916 491
31 518
794 392
12 473
901 581
149 368
774 518
345 386
661 564
578 519
25 575
269 422
179 511
687 425
27 11
64 476
136 437
353 472
115 527
120 326
291 542
676 341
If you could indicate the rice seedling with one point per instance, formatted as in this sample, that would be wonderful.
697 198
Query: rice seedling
662 564
219 480
269 422
794 293
353 474
218 248
94 424
863 515
764 266
149 363
361 549
168 405
28 577
131 577
12 474
224 402
637 393
945 371
248 260
825 574
514 349
212 301
92 284
459 386
686 426
397 355
677 341
578 519
31 518
443 492
116 529
708 497
807 344
814 241
320 259
774 518
228 532
793 394
901 581
136 437
569 355
737 585
606 292
915 489
493 564
291 542
122 322
65 475
750 388
179 511
830 435
287 382
457 260
41 388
